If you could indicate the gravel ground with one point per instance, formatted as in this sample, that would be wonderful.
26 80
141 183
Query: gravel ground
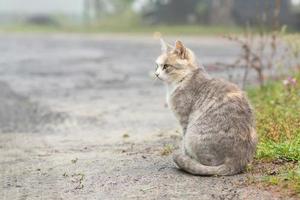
81 117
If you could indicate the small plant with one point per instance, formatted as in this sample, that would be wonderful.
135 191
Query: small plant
74 160
125 135
78 178
167 150
290 82
269 51
288 179
268 54
276 111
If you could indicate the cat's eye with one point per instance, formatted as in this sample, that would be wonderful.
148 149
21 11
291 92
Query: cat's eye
165 66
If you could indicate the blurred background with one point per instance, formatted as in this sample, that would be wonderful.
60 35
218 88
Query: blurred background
140 15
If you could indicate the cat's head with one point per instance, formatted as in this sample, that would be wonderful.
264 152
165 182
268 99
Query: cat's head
175 62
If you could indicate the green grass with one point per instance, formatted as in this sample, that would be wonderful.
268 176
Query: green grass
278 124
124 29
288 177
125 22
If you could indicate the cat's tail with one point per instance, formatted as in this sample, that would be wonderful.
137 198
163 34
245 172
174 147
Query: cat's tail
192 166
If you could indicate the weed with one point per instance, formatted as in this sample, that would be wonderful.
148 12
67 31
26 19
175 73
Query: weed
277 107
74 160
167 150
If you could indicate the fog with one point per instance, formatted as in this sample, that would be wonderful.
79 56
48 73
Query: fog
41 6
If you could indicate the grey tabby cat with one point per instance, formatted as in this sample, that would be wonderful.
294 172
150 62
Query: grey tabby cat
219 136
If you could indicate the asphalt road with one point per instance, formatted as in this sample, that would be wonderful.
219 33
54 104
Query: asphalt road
48 79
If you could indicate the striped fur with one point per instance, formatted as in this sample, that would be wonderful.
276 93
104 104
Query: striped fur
217 120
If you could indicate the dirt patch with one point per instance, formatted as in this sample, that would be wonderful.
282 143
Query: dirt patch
74 167
263 174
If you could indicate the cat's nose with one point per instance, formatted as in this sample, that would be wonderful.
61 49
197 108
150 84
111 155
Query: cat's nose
156 74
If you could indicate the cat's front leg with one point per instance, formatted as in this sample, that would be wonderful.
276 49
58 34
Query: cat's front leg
183 121
183 130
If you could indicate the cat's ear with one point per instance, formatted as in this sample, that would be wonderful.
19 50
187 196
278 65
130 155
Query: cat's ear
185 53
165 47
180 50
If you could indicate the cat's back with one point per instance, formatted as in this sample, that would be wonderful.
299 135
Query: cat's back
215 100
219 100
206 89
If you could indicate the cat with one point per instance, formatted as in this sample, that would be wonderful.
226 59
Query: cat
217 120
